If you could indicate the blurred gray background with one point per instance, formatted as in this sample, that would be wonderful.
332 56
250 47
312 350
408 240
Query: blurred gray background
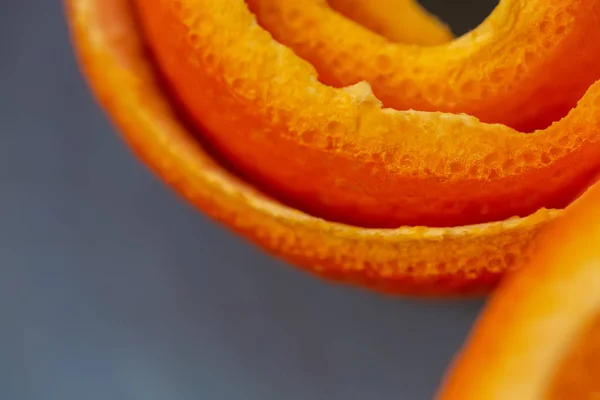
112 288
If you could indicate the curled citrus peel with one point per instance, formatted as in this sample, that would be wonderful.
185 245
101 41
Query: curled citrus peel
402 21
525 66
410 260
336 152
539 338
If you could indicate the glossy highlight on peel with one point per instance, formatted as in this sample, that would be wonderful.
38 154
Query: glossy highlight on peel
406 202
539 338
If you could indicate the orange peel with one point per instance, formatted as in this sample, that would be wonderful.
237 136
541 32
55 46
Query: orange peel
410 260
312 155
402 21
525 66
336 153
539 336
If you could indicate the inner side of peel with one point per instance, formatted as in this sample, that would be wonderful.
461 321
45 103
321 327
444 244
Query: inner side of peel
577 376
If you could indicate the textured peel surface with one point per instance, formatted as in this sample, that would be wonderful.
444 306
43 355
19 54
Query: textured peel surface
441 189
525 66
353 160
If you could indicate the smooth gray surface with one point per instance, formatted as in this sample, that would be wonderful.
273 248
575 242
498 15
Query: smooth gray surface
113 288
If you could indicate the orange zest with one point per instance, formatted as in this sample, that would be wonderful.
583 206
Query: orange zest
526 66
406 202
402 21
539 338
